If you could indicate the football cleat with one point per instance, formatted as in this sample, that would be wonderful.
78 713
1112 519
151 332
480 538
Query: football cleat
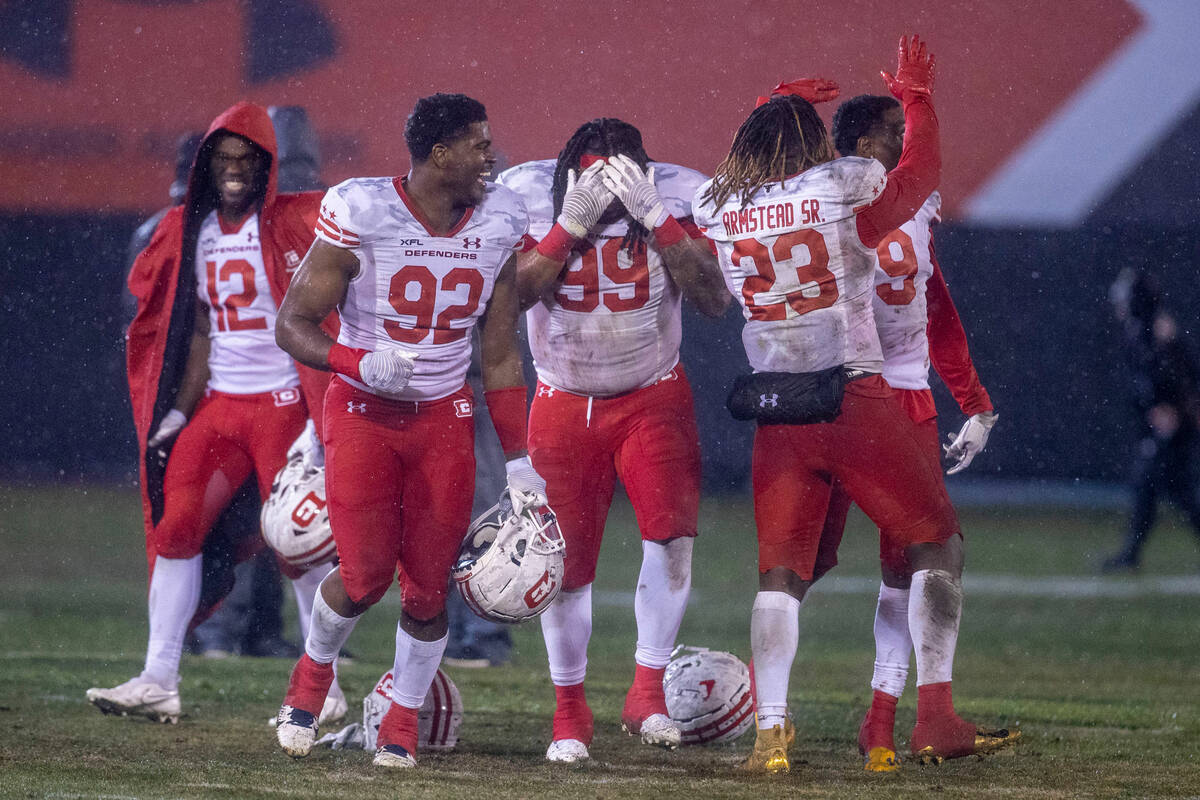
567 751
296 730
335 706
656 729
394 756
984 743
881 759
770 752
141 698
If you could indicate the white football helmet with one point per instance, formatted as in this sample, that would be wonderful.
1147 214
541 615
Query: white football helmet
437 721
295 520
708 695
510 567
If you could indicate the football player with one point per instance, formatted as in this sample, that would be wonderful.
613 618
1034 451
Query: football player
613 250
917 325
412 264
796 232
207 382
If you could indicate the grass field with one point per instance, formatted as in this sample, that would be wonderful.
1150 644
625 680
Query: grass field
1100 673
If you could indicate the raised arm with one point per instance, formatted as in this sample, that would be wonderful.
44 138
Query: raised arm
691 264
920 167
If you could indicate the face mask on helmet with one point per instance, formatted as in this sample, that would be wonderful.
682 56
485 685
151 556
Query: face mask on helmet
708 695
510 567
295 520
437 722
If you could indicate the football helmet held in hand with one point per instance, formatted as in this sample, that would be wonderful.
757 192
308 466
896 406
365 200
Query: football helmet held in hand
295 519
708 695
437 722
510 567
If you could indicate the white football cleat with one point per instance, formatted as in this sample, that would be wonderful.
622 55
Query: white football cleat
296 730
394 756
566 751
335 705
659 730
140 697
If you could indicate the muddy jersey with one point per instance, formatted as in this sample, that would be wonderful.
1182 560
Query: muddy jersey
613 324
793 259
417 290
903 267
232 282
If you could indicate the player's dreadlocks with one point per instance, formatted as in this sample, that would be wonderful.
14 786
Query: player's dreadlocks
781 137
856 118
440 118
606 136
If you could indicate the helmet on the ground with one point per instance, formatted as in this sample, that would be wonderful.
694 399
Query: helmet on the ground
510 567
295 519
437 722
708 695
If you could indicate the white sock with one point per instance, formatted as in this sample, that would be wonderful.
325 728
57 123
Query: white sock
774 636
893 645
661 598
174 598
934 611
415 666
566 628
327 632
305 588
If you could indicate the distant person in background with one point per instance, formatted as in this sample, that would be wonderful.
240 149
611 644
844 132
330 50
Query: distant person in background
1166 397
214 400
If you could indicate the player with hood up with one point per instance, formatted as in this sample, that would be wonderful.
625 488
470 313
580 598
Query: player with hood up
214 398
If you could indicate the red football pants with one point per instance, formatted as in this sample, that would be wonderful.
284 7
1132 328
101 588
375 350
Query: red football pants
582 445
399 480
881 458
228 437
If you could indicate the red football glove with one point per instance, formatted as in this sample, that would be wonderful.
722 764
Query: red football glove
914 70
814 90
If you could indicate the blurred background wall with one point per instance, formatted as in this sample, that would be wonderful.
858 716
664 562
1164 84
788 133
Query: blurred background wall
1070 138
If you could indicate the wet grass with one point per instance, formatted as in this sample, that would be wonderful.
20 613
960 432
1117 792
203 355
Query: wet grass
1103 687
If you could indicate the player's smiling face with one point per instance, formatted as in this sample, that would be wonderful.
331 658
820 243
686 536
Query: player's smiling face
470 163
238 174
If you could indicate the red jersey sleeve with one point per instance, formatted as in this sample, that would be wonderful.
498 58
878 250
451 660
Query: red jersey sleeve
948 351
913 179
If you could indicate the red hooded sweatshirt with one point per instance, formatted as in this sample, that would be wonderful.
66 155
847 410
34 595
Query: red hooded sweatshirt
163 280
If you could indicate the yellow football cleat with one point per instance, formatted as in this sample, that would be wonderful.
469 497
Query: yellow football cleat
770 752
881 759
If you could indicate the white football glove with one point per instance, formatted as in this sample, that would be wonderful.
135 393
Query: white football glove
308 447
585 200
525 487
388 370
635 189
970 441
169 428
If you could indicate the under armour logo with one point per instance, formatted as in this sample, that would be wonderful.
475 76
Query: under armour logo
771 400
472 241
356 408
545 391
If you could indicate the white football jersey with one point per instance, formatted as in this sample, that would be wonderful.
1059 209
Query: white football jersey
414 289
793 259
613 324
232 281
903 268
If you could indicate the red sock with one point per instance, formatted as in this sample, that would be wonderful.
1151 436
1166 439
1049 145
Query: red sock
645 697
399 726
938 726
572 717
308 685
878 725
